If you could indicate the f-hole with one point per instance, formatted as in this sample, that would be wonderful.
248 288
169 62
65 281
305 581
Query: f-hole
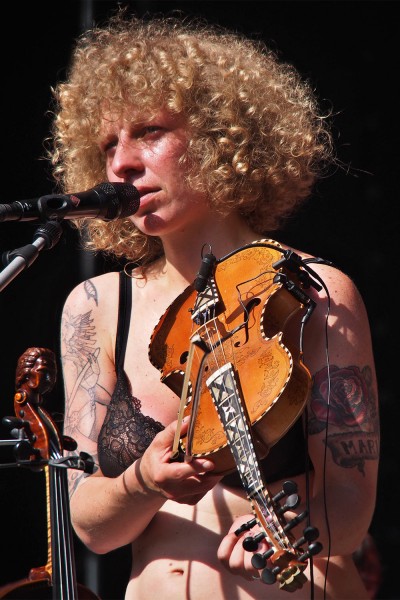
184 357
247 308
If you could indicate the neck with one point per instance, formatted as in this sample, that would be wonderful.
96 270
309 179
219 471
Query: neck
184 251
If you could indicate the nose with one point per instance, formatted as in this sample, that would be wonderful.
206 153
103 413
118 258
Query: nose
127 159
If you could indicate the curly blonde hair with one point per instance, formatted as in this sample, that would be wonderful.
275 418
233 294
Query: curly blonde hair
258 140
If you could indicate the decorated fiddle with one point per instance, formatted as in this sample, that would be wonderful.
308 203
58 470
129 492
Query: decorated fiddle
223 346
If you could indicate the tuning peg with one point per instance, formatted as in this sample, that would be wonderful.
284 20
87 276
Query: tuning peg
269 575
15 424
12 422
251 543
260 560
88 462
288 488
69 443
290 577
312 550
292 502
309 535
295 521
246 526
23 450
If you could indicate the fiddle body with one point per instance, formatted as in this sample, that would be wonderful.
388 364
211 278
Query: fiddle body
240 320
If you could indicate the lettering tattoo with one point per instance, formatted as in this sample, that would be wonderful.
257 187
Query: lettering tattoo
343 403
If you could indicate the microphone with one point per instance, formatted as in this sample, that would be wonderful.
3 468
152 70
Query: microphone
106 201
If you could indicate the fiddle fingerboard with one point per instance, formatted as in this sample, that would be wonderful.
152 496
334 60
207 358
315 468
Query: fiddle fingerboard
226 398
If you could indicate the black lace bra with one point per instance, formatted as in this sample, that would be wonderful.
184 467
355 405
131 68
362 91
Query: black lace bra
127 432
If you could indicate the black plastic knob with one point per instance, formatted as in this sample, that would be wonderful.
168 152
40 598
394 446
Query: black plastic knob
251 543
260 560
268 576
295 521
289 487
246 526
313 549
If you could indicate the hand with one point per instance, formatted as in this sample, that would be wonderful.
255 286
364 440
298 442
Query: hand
234 557
184 482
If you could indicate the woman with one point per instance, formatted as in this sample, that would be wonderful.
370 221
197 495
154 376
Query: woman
222 141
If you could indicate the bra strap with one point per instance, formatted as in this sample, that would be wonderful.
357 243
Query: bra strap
124 318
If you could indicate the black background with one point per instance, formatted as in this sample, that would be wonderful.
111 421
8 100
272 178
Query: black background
349 51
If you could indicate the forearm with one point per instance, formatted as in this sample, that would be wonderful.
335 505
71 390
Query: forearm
111 512
342 518
108 513
341 515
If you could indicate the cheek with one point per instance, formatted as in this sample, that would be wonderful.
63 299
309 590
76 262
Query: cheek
168 151
109 172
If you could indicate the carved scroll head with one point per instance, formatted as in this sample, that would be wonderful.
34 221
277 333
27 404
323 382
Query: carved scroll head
37 370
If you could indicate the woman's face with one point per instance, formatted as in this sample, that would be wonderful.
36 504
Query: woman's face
147 155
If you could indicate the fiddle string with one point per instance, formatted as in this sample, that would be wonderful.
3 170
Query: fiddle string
215 340
263 499
58 580
63 541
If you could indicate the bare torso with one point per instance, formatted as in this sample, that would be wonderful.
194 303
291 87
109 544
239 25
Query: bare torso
176 558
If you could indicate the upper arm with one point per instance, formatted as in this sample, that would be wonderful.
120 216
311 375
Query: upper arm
343 418
87 363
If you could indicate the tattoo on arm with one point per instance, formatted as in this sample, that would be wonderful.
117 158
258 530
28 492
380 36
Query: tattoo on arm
343 403
81 349
91 291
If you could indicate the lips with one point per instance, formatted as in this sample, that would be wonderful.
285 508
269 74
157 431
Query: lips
146 195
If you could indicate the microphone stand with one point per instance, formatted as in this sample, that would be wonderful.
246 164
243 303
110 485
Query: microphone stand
46 236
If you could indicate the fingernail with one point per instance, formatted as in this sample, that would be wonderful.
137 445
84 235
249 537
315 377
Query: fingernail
207 464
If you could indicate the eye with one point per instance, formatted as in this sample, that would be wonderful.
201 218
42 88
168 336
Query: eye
148 130
108 145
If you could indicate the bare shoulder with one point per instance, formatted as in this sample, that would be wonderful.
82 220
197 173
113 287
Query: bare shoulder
340 324
94 290
91 310
335 284
338 287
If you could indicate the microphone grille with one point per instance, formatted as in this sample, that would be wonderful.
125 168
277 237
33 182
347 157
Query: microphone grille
128 196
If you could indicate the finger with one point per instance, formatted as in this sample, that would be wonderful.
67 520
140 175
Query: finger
167 435
225 548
